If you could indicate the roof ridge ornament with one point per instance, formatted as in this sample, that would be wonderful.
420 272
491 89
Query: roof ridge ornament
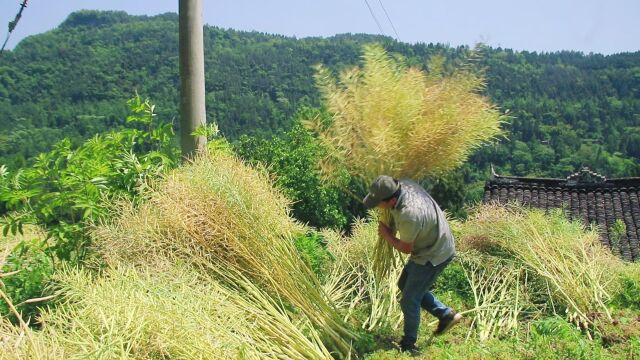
585 175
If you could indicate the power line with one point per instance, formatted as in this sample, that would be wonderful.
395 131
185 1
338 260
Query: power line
374 17
12 24
389 19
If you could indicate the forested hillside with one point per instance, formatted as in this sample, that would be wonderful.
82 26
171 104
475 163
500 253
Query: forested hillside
261 247
567 109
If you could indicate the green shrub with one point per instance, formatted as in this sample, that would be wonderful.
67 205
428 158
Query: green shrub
628 296
69 188
453 280
34 269
312 248
66 188
291 159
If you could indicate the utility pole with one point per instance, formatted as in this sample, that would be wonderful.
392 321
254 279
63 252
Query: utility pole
192 103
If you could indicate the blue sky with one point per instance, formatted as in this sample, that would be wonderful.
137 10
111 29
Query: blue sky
600 26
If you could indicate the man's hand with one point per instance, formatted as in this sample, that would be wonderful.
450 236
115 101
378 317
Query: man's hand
385 232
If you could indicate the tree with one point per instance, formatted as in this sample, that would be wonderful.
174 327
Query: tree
292 160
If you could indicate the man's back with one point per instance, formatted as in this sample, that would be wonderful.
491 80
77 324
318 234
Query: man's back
420 220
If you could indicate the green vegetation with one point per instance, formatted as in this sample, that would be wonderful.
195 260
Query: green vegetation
567 109
292 158
106 239
68 189
210 249
65 188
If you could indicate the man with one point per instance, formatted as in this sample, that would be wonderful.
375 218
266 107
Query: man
425 234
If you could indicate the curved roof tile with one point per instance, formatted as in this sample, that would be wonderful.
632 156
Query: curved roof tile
586 195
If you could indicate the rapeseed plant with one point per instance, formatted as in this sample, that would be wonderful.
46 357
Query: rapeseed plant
578 273
218 215
388 118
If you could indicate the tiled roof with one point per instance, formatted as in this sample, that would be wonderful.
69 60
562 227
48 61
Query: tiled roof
585 195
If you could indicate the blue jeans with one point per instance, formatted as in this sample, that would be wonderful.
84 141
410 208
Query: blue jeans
415 282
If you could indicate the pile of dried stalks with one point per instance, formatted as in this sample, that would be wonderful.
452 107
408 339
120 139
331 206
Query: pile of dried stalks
578 274
351 280
400 121
146 314
500 294
221 216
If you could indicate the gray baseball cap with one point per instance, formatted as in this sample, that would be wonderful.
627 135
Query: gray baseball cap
383 187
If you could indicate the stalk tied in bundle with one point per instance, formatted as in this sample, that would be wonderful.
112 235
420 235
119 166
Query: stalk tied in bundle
385 257
392 119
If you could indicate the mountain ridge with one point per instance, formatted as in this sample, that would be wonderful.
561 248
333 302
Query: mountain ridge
74 80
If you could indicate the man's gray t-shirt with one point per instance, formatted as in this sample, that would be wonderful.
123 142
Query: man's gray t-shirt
420 220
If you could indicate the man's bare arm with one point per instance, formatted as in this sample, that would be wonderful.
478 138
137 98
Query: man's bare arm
386 233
